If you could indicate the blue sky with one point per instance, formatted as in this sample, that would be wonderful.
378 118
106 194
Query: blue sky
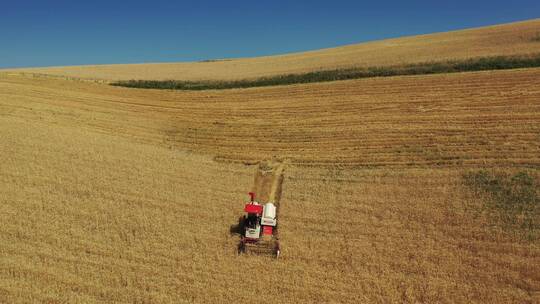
46 33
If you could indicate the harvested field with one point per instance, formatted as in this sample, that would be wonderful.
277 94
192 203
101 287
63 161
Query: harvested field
508 39
112 194
466 120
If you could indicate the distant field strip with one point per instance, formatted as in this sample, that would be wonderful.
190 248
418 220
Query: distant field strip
451 66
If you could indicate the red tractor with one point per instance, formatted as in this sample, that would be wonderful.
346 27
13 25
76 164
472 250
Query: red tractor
259 228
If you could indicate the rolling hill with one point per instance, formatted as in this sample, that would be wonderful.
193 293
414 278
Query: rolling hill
508 39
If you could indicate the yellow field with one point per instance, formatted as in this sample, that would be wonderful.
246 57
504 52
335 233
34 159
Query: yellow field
114 194
110 194
508 39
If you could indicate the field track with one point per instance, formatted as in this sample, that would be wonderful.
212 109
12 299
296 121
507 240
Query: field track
267 184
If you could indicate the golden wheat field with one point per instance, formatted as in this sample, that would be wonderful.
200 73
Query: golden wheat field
508 39
117 195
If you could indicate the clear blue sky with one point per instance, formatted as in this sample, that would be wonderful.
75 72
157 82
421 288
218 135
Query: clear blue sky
45 33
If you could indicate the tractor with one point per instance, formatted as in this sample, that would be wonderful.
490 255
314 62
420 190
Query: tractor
259 228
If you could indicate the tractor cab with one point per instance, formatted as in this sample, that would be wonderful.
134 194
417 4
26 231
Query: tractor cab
252 221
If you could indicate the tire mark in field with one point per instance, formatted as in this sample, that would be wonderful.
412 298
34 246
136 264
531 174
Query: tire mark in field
268 181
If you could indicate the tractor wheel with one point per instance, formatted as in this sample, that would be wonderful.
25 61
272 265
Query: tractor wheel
241 247
241 223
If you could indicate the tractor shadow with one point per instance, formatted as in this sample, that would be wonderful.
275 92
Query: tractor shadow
238 228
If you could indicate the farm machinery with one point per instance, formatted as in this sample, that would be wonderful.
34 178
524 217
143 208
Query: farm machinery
259 228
